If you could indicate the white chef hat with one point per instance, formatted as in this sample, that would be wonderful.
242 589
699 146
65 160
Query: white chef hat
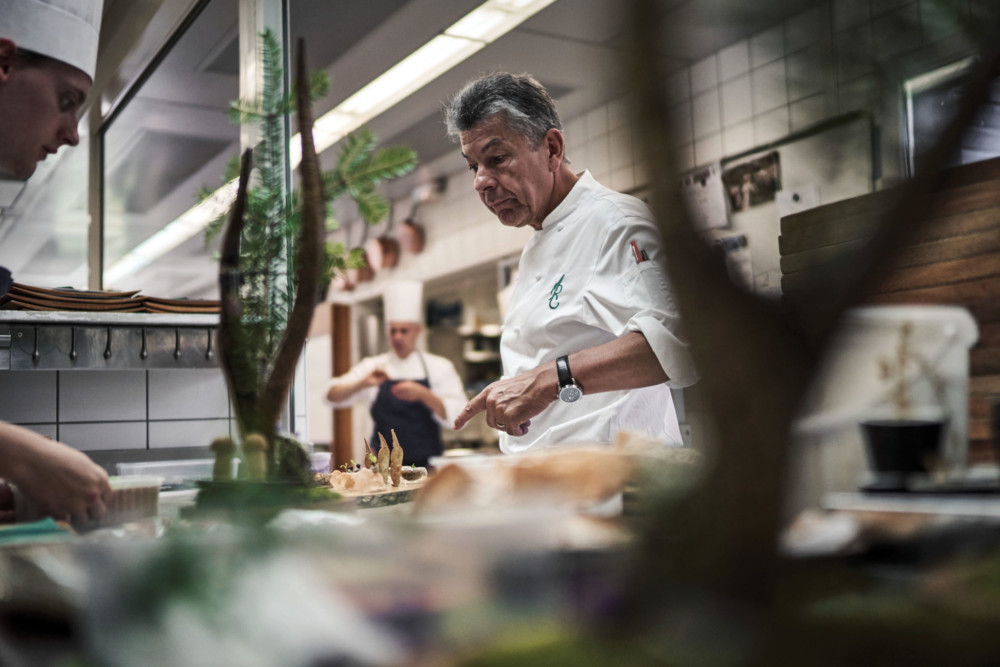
404 301
66 30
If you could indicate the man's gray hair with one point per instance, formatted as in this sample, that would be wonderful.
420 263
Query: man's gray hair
519 98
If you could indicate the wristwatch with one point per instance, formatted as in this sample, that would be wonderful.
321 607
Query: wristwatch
569 390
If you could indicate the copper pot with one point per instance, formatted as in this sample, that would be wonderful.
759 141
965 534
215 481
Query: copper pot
382 253
411 236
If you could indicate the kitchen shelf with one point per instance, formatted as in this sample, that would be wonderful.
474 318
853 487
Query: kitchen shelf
106 341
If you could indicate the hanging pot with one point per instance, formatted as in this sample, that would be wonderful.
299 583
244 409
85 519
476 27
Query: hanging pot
411 236
367 272
383 252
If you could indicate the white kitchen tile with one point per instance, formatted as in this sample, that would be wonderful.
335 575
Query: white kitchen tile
642 172
28 396
861 93
102 396
767 46
681 123
854 52
186 433
704 75
599 155
619 113
880 7
809 111
708 150
575 130
684 157
734 60
621 147
849 13
737 101
705 114
807 71
623 179
188 394
806 28
578 157
771 126
738 138
769 87
597 122
897 32
105 435
678 85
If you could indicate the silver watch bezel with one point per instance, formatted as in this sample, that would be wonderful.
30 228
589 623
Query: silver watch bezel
570 393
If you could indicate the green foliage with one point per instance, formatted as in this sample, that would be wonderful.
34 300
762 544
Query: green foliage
273 224
272 220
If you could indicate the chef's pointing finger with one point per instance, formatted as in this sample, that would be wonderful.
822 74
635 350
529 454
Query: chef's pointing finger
471 409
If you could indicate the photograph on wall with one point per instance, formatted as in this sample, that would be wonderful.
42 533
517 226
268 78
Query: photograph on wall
753 182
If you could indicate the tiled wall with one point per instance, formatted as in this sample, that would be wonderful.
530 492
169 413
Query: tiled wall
119 410
838 57
126 411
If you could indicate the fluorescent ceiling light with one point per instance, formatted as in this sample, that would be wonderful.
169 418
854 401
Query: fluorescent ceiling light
472 32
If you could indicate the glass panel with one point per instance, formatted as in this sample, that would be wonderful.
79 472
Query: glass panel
172 139
46 230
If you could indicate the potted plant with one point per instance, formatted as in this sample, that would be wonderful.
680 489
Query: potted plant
273 268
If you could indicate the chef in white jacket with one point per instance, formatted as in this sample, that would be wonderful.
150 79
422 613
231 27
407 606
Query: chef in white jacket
591 343
48 54
411 391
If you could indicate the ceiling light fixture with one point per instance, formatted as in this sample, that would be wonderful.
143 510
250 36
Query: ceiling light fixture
484 24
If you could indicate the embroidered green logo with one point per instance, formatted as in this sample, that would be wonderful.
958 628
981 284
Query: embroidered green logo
556 291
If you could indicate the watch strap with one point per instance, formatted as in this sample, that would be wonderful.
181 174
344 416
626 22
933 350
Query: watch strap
562 371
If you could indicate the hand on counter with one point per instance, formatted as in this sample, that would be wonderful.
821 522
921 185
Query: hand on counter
60 481
512 402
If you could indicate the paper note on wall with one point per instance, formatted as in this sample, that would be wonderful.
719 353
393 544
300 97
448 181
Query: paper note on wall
705 198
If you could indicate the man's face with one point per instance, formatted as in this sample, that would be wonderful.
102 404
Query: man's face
516 183
403 337
38 112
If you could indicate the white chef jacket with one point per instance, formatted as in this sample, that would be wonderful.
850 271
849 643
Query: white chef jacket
579 285
441 375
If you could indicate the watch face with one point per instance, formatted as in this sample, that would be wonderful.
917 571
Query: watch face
570 393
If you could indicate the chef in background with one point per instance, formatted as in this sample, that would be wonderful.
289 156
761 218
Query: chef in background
411 391
48 52
591 343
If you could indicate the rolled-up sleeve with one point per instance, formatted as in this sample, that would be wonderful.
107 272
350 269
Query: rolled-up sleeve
661 326
626 295
360 370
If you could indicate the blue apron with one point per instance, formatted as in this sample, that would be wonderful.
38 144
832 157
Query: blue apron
418 432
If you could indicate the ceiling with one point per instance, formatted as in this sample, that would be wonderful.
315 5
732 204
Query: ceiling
173 137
